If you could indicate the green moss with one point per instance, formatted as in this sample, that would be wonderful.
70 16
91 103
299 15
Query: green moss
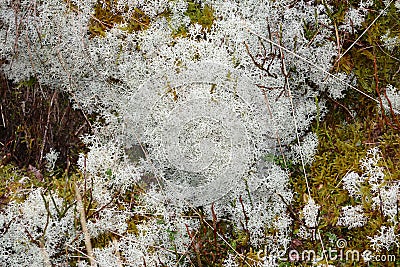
200 15
10 183
28 83
369 59
106 16
341 147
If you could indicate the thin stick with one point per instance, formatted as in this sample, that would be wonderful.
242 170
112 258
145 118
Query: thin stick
46 128
85 230
2 116
46 257
285 73
362 34
74 248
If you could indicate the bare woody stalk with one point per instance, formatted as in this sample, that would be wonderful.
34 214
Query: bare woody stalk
46 257
46 128
85 231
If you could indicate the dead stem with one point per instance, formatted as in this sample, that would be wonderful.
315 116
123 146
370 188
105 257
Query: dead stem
85 230
46 128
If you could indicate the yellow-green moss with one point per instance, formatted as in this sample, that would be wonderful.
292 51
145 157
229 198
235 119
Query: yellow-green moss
341 147
106 16
198 14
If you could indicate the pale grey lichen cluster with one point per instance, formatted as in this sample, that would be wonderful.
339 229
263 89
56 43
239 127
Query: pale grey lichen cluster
206 108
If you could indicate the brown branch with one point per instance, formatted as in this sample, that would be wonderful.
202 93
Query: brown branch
46 128
196 247
343 106
215 225
246 218
395 125
261 66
